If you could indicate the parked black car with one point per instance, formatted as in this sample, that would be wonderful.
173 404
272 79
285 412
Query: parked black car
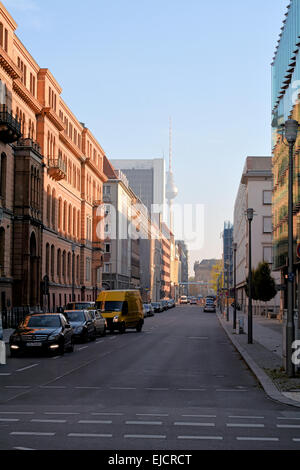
49 332
83 324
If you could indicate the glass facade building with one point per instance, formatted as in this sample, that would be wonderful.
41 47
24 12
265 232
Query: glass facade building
285 105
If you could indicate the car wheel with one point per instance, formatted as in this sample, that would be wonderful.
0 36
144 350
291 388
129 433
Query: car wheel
139 327
104 331
122 328
71 347
94 335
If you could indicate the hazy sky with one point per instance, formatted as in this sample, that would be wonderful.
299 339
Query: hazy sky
125 66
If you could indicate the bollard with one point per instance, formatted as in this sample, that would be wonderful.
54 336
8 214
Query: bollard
2 353
241 326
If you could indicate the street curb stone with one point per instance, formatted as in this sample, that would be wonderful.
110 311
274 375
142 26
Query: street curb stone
265 381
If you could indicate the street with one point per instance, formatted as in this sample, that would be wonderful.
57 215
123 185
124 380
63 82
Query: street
177 385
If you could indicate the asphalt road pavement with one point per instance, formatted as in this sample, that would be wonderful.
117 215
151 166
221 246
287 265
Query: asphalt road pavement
177 385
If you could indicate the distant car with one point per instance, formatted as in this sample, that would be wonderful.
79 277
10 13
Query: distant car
171 303
193 301
183 299
209 306
100 322
80 305
157 306
49 332
164 304
148 310
83 324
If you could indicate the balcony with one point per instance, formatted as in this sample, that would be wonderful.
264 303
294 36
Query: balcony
10 127
29 143
57 168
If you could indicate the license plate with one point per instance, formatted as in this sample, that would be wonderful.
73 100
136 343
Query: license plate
33 344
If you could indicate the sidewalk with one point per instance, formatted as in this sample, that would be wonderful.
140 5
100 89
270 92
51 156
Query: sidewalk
264 356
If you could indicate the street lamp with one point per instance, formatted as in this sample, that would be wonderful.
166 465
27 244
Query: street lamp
291 130
250 215
234 246
73 272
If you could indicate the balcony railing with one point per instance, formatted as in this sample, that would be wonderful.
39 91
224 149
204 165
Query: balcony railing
10 127
57 168
28 142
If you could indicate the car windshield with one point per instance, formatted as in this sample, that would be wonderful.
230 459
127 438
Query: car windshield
75 316
79 306
43 321
113 306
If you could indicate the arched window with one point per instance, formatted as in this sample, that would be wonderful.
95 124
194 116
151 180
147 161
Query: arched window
74 222
69 266
58 266
52 261
65 217
3 164
54 209
2 251
78 268
47 259
48 204
59 213
64 265
1 34
70 219
78 225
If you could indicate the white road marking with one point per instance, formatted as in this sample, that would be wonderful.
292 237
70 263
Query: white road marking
48 421
144 436
289 418
244 425
199 416
204 438
152 414
267 439
17 412
107 414
9 420
296 439
246 417
59 413
28 367
145 423
83 347
288 426
23 433
180 423
5 374
230 390
90 421
75 434
88 388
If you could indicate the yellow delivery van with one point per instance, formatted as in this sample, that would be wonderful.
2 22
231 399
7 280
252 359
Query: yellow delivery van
122 309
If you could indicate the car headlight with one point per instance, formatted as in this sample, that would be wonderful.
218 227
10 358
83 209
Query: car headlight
54 337
116 319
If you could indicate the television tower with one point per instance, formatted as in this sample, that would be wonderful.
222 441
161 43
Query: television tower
171 188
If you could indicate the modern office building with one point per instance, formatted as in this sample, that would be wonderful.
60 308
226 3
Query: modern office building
228 254
255 192
146 178
183 275
285 105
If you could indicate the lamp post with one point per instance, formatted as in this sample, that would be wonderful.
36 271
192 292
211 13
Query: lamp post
291 130
227 288
234 246
250 215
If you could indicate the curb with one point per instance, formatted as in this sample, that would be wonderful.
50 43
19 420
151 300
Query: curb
270 389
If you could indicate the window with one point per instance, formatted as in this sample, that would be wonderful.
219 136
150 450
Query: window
267 254
267 197
107 248
2 175
106 190
107 268
267 225
88 269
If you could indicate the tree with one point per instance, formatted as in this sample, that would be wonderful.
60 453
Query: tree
263 286
216 273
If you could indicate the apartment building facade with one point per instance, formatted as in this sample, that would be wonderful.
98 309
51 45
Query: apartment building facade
51 181
255 191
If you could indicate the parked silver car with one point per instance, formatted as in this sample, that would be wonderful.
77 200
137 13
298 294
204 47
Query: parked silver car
100 322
